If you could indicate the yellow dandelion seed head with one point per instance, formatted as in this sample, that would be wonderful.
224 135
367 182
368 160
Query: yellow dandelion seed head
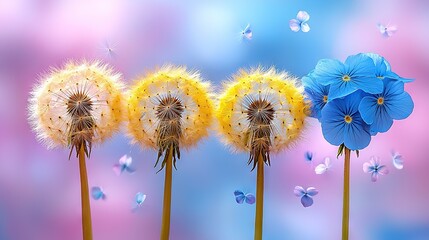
51 112
273 97
173 86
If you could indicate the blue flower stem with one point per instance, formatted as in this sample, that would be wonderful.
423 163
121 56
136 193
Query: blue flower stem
259 198
84 193
346 195
166 209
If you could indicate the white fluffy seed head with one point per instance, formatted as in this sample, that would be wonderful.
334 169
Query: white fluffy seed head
49 103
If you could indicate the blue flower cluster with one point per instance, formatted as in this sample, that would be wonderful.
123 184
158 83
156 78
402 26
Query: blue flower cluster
356 99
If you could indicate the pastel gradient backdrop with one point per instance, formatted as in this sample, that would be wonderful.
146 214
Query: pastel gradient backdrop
39 188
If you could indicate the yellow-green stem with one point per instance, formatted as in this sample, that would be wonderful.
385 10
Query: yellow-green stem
259 198
346 195
166 209
84 193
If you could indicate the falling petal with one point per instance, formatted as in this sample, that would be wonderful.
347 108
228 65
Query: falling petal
250 198
320 169
303 16
308 156
97 193
294 25
374 176
239 196
311 191
306 201
367 167
140 197
305 27
117 169
299 191
382 170
125 160
398 161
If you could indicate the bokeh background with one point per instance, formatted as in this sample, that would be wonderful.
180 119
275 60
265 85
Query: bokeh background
39 189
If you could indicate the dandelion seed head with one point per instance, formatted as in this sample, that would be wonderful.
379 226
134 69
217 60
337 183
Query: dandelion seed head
261 109
169 105
79 103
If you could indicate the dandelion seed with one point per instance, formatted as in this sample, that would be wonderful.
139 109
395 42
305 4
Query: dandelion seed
108 49
246 33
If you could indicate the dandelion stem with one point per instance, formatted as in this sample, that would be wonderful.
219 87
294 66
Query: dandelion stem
259 198
86 209
165 228
346 195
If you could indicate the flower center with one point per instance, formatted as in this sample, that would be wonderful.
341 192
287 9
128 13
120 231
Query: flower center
169 114
325 99
348 119
81 129
346 78
260 113
380 100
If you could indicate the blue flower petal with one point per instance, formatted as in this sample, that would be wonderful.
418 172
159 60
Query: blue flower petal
333 122
400 106
356 134
368 109
383 121
328 71
341 89
306 201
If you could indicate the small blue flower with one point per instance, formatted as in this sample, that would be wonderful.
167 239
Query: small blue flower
317 93
379 110
342 123
305 195
383 69
300 23
357 73
375 168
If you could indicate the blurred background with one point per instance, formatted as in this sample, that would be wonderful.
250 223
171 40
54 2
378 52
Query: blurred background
39 188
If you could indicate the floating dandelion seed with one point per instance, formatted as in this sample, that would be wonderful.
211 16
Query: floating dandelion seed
109 49
261 112
168 110
76 107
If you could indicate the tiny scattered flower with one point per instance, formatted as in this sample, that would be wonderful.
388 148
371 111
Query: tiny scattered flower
123 165
309 157
323 167
305 195
97 193
375 168
300 23
387 30
138 201
240 197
